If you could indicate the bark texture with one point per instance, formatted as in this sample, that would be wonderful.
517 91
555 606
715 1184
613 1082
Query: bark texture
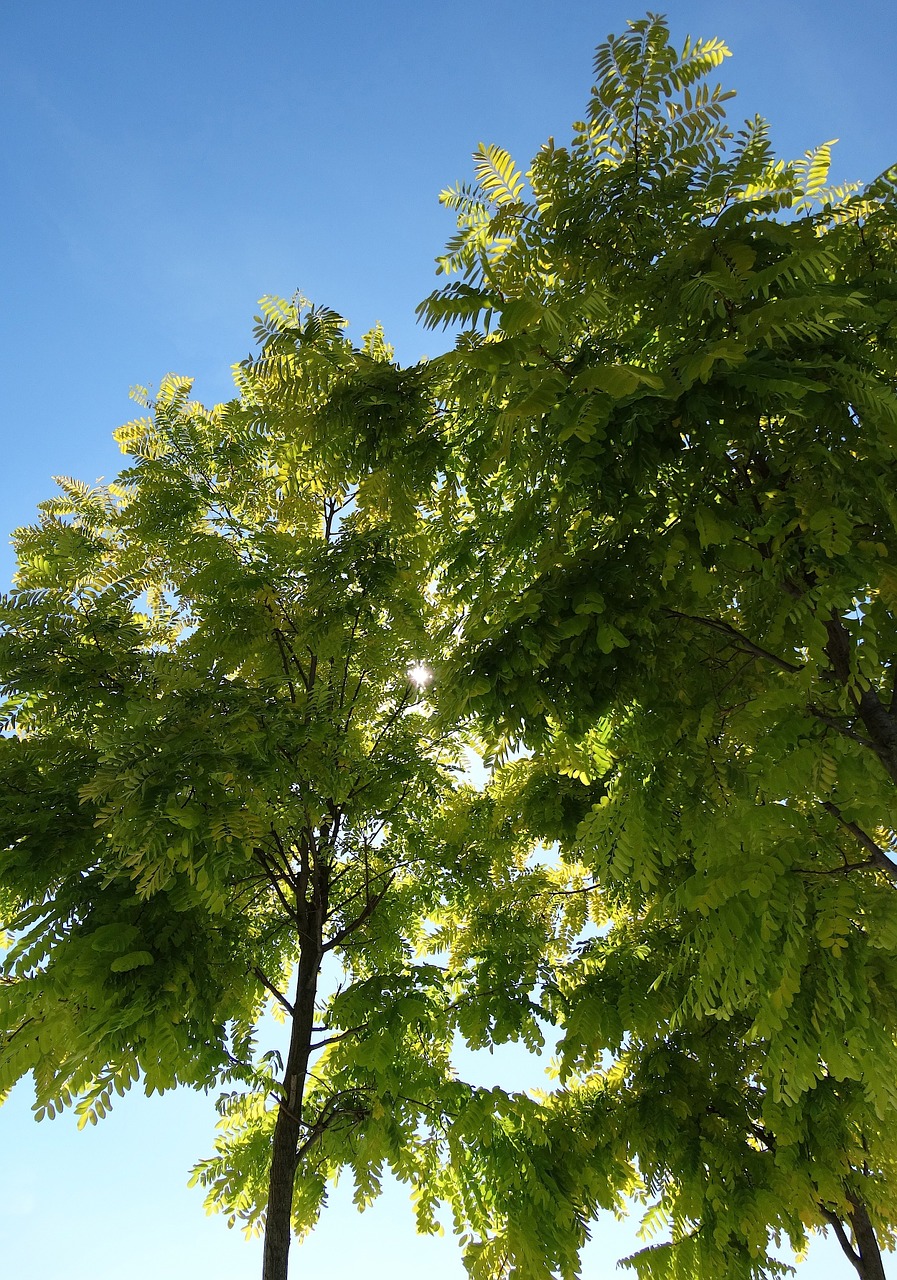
870 1266
863 1252
289 1127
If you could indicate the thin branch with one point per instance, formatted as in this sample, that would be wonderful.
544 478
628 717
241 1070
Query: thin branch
878 857
278 995
748 646
880 724
289 874
390 721
274 878
330 1114
361 679
570 893
9 1036
349 648
838 1228
365 914
835 871
283 662
350 1031
295 657
365 889
827 718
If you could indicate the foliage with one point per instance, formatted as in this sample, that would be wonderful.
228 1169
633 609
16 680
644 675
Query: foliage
159 652
674 527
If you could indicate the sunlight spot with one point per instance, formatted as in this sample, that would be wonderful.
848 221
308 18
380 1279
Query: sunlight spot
420 675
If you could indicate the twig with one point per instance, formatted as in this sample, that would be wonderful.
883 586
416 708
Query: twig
350 1031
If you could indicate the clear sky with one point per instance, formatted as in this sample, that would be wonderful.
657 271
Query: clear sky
164 165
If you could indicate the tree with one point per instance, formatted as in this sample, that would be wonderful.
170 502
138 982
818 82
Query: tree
227 785
219 752
220 770
674 538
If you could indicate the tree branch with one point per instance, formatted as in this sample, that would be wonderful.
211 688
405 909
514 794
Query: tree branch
878 858
278 995
879 723
835 871
741 641
838 1228
570 893
365 914
283 662
349 648
350 1031
274 878
819 713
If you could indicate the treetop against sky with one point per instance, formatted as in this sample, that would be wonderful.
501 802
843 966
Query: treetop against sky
166 169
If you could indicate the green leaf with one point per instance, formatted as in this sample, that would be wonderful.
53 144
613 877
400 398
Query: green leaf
133 960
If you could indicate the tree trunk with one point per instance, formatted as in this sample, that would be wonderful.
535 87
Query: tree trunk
864 1253
288 1128
870 1265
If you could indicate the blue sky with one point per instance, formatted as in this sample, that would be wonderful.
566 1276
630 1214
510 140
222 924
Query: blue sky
163 166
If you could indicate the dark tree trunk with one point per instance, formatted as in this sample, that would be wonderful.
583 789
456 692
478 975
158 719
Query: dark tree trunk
288 1128
864 1253
870 1265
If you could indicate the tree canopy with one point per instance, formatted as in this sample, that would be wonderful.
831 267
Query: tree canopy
634 538
676 538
